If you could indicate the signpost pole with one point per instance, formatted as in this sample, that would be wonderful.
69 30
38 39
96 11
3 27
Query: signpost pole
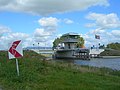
17 67
15 51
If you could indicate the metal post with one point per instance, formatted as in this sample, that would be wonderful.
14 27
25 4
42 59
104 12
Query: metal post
17 66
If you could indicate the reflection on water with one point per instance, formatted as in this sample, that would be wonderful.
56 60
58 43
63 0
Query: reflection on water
113 63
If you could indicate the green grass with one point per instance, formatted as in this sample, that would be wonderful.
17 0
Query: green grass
37 74
110 53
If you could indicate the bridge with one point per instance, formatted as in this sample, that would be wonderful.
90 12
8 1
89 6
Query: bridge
44 51
50 52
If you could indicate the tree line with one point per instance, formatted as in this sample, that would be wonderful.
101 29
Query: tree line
115 46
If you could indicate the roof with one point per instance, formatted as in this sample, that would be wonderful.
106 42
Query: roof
71 33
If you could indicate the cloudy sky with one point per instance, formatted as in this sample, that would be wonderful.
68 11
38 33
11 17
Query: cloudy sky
42 21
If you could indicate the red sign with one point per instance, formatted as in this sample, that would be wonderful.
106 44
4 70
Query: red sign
15 51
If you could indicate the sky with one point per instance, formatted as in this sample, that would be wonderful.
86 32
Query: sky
41 21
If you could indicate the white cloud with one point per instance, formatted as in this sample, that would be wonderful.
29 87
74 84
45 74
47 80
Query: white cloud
40 35
68 21
43 35
97 31
44 7
104 20
105 37
6 36
48 28
14 36
29 41
4 30
9 37
49 24
105 25
88 25
116 33
45 22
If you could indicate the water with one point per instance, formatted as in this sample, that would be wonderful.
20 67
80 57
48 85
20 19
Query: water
109 63
113 63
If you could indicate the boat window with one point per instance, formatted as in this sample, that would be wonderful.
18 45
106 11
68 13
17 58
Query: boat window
69 46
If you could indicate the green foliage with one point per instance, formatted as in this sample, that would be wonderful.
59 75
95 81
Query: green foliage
56 42
102 46
80 42
112 49
110 53
115 46
38 74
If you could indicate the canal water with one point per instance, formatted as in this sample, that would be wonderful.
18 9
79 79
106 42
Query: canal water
113 63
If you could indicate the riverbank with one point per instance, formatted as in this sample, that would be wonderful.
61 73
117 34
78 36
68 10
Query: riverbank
39 74
110 57
110 53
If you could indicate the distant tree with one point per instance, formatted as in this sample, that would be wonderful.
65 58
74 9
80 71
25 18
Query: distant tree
102 46
115 46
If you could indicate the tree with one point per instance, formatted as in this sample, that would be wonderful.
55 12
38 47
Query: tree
115 46
80 42
56 42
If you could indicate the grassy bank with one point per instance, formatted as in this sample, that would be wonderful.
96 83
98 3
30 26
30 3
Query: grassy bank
110 53
37 74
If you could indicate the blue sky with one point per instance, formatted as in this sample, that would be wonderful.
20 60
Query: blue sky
42 21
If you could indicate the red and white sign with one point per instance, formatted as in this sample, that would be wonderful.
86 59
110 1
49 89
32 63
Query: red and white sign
15 50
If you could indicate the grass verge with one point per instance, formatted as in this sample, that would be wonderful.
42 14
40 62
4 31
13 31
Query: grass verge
37 74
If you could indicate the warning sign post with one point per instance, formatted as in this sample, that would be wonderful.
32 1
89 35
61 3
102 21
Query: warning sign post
15 51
